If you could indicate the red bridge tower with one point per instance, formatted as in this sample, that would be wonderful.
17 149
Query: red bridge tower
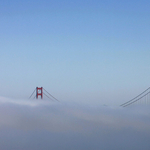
39 92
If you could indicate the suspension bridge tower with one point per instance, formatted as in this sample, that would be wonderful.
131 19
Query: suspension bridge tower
39 92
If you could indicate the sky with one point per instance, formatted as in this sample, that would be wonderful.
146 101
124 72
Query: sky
93 52
92 56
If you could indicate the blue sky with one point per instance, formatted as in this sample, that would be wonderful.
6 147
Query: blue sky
93 52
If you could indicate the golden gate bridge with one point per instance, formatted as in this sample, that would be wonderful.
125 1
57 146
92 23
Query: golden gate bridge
142 98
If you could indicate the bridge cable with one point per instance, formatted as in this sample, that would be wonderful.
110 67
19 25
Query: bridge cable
136 100
32 94
48 97
51 95
135 97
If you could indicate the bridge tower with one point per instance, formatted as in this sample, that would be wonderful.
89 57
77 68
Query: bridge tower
39 92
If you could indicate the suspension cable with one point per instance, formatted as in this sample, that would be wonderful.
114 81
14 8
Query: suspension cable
135 97
136 100
48 97
51 95
32 94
